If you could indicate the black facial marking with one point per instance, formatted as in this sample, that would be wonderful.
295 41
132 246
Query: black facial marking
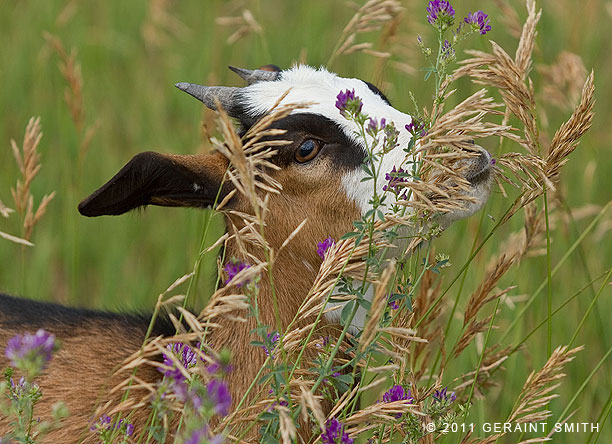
335 145
241 113
377 91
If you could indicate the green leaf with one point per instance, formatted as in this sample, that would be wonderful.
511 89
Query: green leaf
269 416
347 379
359 239
346 312
365 303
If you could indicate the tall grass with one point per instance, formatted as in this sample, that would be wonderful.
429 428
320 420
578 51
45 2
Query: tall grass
130 55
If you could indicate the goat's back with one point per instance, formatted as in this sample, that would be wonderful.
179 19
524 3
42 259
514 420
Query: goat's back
92 345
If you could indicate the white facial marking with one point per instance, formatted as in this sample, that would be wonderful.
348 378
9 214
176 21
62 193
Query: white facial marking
196 187
308 84
359 320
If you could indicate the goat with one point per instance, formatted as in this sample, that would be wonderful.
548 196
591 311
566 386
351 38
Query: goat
320 173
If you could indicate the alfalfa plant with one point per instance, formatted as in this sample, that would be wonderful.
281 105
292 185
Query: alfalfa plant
28 354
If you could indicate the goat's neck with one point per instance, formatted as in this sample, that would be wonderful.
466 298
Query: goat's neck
293 273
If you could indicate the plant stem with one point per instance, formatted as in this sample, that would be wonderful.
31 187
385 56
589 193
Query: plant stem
548 276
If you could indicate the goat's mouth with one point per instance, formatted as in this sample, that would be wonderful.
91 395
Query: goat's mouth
480 169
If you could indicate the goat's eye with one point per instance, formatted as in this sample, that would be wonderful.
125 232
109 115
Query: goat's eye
307 150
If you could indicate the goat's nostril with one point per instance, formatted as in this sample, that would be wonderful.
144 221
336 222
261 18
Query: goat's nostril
479 169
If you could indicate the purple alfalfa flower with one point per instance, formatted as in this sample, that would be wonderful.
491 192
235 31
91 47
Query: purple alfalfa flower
217 439
272 339
393 305
416 127
397 393
184 354
347 102
103 423
334 429
373 127
391 136
219 395
106 423
219 367
322 247
219 364
440 13
394 179
479 21
21 388
187 394
31 352
444 395
447 50
201 436
493 161
325 340
198 436
333 375
232 268
282 402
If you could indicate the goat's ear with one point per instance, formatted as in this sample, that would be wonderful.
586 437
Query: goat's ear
270 67
160 179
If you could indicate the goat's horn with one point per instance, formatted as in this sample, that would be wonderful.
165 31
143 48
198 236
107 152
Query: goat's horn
255 75
207 94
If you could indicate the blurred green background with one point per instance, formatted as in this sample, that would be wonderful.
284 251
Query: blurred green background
131 53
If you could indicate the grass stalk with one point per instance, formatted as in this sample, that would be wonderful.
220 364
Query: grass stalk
554 271
548 277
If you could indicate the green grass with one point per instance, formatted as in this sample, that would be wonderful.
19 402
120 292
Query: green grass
124 262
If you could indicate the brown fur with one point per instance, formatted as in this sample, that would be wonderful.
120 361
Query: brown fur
81 373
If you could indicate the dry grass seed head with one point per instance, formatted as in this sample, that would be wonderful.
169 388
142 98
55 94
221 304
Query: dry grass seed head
287 426
15 239
28 161
536 392
4 210
507 77
250 157
310 401
160 26
71 71
567 137
379 302
493 358
563 80
369 17
527 40
430 328
481 296
510 18
244 24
